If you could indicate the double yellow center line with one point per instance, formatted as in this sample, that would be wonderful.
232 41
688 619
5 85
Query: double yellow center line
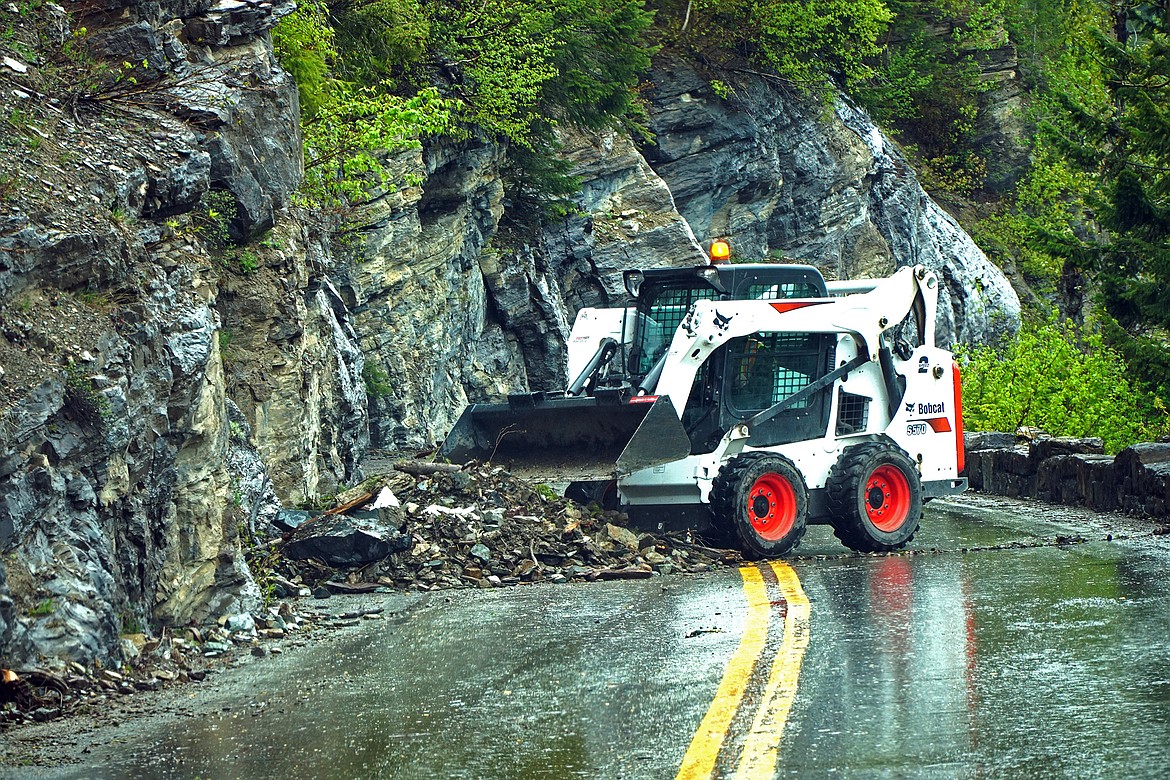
757 757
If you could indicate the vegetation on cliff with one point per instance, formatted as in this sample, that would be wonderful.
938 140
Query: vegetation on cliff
1060 379
1087 223
382 74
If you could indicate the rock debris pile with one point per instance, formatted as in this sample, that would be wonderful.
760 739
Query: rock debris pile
175 656
417 527
423 526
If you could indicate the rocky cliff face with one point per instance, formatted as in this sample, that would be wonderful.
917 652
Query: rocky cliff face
182 349
127 320
449 313
791 178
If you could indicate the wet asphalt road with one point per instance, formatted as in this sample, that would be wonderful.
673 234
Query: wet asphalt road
1037 661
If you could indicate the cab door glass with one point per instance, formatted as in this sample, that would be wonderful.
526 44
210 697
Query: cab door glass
658 321
763 369
766 368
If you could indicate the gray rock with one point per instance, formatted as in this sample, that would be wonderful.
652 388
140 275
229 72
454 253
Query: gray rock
242 622
622 536
1045 447
8 624
1077 479
1075 471
987 440
42 714
178 189
1143 477
291 519
257 496
231 22
272 160
341 540
135 43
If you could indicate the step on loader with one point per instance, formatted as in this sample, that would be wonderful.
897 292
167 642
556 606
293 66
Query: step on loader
746 401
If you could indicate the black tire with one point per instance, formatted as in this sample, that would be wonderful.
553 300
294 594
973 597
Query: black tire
603 493
762 496
874 494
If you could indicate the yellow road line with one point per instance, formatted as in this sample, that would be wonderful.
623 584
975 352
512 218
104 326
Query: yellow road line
762 744
699 761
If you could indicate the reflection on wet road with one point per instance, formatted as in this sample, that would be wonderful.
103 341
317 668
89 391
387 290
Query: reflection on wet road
1037 661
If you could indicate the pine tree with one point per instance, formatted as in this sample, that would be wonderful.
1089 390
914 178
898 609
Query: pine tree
1127 147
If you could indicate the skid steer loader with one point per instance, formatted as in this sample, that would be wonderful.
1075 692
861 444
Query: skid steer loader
748 399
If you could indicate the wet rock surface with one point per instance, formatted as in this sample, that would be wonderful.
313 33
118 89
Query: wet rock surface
1071 471
341 540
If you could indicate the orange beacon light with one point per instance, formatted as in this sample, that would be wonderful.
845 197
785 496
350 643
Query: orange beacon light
720 252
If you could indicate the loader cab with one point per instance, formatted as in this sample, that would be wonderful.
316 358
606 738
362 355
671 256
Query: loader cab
663 296
765 368
743 374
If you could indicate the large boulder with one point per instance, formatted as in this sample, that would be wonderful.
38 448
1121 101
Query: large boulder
1143 478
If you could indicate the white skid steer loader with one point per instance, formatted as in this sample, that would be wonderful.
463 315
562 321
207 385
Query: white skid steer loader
751 399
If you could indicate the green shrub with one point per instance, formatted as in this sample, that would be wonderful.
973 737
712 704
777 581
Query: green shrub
368 72
1037 230
927 87
377 381
808 43
346 124
303 42
82 403
1065 381
213 217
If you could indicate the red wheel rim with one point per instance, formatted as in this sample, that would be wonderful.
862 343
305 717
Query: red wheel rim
887 498
771 507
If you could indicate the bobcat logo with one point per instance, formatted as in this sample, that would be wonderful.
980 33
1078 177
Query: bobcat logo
910 407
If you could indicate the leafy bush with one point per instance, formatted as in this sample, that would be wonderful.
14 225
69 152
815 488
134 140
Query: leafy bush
344 141
82 403
346 124
519 67
377 381
809 43
1039 226
1064 381
379 40
368 72
303 42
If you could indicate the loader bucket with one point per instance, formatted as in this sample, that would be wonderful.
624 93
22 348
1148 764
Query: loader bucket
568 439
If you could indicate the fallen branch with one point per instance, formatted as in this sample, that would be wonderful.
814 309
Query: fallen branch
422 468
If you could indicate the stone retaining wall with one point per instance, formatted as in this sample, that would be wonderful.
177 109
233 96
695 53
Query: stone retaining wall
1071 471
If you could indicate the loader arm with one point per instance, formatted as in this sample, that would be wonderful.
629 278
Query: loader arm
711 324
